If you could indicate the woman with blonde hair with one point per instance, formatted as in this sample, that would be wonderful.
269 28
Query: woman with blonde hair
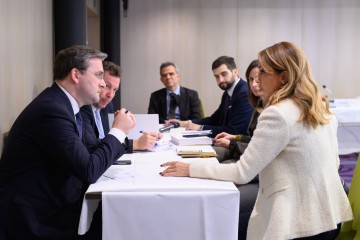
295 152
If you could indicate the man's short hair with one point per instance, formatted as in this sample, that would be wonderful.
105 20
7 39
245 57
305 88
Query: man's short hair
112 68
228 61
166 64
76 56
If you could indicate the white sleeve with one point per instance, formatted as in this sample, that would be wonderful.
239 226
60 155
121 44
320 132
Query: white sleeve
271 136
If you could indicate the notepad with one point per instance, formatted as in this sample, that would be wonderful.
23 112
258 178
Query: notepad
195 151
144 123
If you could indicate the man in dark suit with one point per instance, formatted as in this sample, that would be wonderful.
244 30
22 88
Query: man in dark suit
45 168
95 116
234 112
185 101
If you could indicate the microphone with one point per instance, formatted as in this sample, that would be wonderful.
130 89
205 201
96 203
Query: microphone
327 90
172 125
329 96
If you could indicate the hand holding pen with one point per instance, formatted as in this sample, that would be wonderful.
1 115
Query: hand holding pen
124 120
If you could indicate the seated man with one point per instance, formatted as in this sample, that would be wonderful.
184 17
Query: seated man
95 116
173 101
45 168
234 113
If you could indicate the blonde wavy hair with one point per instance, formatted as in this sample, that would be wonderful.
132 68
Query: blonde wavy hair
301 86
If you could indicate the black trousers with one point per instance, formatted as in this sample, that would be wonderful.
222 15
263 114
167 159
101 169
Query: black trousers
248 194
329 235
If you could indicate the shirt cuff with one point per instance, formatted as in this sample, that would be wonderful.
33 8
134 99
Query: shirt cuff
120 135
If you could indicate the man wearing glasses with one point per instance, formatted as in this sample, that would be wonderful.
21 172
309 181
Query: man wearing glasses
45 168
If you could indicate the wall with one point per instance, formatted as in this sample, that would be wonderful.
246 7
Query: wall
190 33
26 55
194 33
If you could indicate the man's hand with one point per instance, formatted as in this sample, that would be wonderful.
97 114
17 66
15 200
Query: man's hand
168 122
147 140
192 126
124 120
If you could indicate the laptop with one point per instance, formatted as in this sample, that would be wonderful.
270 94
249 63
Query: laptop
144 123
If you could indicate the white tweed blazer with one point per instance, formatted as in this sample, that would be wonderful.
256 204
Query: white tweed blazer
300 191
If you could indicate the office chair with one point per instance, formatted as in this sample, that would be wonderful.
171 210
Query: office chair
5 136
202 112
351 229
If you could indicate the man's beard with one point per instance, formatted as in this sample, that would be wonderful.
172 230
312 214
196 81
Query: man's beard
227 85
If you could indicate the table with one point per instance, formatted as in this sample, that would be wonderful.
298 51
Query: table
347 112
138 203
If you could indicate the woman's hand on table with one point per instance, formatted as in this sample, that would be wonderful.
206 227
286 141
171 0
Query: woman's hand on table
176 169
222 142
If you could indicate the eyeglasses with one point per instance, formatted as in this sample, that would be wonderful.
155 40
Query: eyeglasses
99 75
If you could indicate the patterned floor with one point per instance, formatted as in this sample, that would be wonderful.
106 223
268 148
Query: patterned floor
347 166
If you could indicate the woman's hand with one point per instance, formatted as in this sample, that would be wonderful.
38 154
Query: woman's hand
225 136
176 169
222 142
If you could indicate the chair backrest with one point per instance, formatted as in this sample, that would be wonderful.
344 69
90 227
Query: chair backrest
5 136
202 112
351 229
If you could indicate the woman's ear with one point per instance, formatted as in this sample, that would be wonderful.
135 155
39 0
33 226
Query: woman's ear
284 77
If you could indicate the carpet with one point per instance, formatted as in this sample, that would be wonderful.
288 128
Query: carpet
347 166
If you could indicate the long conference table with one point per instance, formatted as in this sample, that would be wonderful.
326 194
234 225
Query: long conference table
138 203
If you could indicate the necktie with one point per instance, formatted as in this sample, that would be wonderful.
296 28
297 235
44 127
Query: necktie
99 124
226 108
79 124
173 105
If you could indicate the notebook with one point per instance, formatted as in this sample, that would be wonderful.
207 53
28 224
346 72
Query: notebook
196 151
144 123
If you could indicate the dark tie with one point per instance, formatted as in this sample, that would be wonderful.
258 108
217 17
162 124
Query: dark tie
173 105
226 108
79 124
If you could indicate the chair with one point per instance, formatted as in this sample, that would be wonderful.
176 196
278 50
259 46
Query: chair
351 229
202 112
5 136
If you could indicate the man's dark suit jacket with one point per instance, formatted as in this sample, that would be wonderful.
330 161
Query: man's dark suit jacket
189 104
238 114
89 124
45 170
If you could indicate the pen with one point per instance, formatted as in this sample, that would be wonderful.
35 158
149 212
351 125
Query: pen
196 135
191 151
126 110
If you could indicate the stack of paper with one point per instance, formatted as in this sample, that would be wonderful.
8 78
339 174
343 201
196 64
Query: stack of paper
195 151
179 139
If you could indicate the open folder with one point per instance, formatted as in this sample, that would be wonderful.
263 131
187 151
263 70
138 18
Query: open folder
195 151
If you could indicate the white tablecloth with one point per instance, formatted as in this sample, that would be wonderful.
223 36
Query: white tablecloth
347 112
138 203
